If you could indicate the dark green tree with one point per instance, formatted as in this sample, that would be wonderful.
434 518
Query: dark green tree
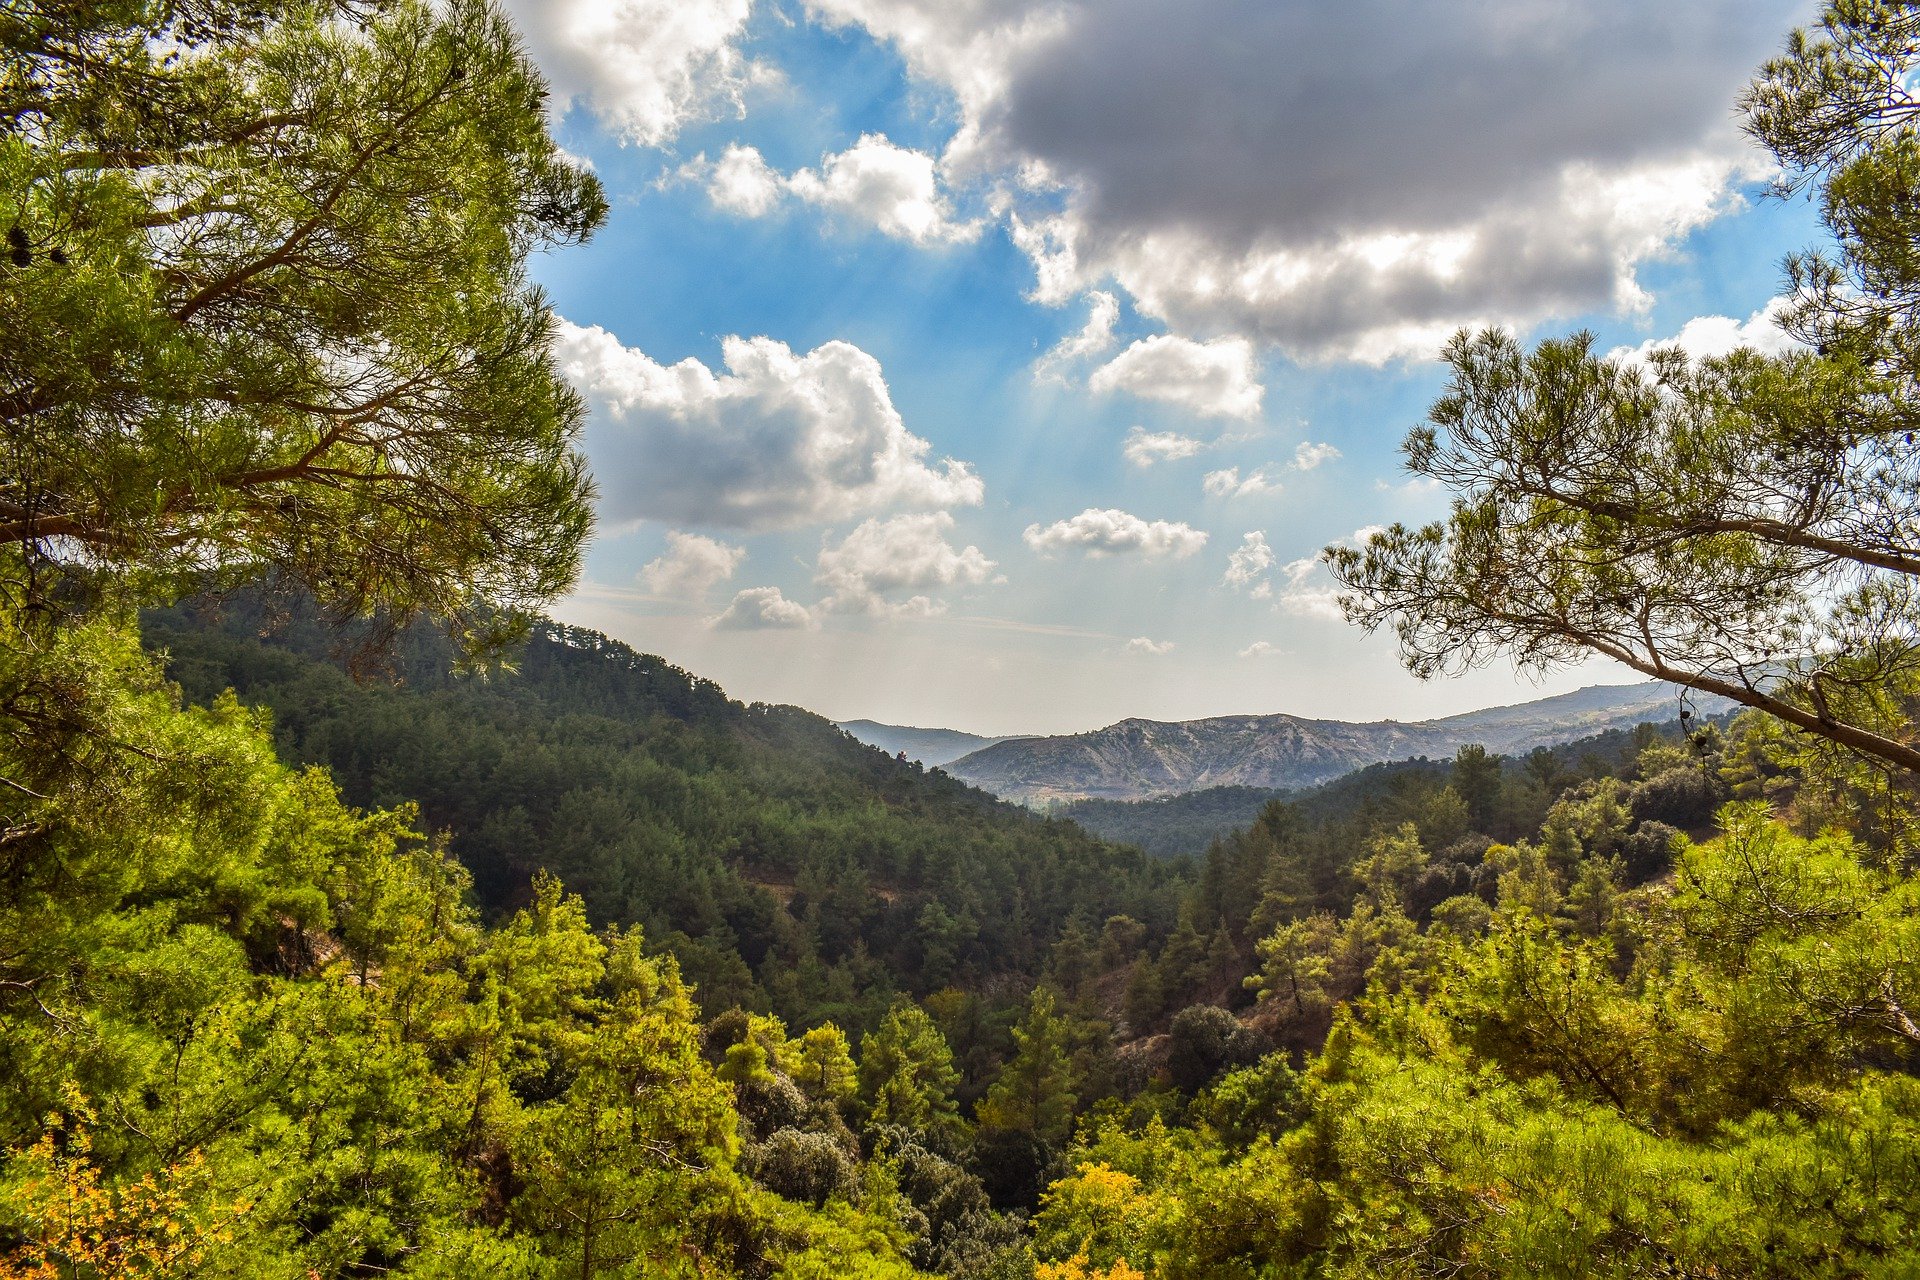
1477 777
267 306
1035 1092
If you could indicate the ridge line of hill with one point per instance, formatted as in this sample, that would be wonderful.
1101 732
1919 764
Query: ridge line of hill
1137 758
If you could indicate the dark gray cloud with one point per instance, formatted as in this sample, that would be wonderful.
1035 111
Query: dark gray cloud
1346 179
1242 116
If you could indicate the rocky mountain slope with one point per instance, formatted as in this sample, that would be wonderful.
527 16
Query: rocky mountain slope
1135 759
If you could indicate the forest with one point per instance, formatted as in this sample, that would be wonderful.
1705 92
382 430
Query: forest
357 919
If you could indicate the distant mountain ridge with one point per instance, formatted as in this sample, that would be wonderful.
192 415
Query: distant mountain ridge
1138 759
930 747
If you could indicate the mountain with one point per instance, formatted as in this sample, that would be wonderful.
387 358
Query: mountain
1187 823
1139 759
929 746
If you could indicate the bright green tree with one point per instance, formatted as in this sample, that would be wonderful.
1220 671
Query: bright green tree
823 1067
907 1075
613 1169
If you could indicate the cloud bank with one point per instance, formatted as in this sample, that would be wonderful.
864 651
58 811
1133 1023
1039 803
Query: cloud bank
1249 565
1718 335
891 189
1260 169
868 569
1144 448
691 565
762 609
778 441
1213 379
644 67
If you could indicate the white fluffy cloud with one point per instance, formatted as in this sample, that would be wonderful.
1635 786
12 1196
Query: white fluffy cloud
1143 448
1717 335
871 566
740 181
1148 645
1215 379
894 190
644 67
1309 455
762 609
1262 649
1248 566
691 565
1249 167
1112 533
777 441
1229 483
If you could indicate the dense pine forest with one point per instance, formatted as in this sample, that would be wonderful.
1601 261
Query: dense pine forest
356 920
786 866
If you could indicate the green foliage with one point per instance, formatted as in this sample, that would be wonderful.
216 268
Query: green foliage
1439 1169
1740 1100
1204 1040
1242 1106
823 1067
787 866
1346 873
808 1167
907 1075
229 999
1172 826
1034 1094
267 307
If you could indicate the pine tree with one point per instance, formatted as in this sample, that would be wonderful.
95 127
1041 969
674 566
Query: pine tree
907 1075
1035 1091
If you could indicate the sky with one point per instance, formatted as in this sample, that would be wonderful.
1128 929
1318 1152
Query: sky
1005 365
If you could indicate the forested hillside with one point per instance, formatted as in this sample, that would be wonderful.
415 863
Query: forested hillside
1185 825
788 866
522 954
1172 825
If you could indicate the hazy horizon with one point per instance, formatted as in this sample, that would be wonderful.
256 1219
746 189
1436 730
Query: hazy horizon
844 721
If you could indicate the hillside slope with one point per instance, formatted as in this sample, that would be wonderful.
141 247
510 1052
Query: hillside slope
784 863
1139 759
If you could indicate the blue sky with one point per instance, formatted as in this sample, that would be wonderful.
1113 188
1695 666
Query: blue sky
943 358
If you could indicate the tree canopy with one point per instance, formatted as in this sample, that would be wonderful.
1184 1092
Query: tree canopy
267 306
